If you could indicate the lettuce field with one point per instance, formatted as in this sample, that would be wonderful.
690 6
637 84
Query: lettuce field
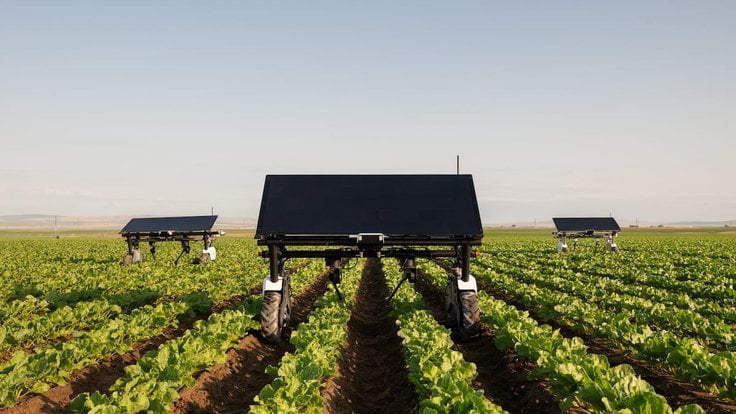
649 329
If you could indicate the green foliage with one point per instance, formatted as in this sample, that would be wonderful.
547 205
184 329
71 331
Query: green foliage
110 313
36 372
688 358
441 376
153 383
301 374
579 379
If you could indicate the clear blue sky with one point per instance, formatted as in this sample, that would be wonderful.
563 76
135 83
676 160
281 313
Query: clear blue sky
556 108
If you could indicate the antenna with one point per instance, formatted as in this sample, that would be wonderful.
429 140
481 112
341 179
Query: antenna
458 164
212 211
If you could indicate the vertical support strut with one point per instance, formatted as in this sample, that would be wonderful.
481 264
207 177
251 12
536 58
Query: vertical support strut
465 251
335 274
408 272
409 269
274 256
184 249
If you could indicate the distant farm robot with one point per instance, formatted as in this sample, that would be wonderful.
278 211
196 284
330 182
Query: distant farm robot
586 227
183 229
398 216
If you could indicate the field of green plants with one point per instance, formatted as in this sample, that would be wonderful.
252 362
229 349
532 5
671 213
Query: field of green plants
649 329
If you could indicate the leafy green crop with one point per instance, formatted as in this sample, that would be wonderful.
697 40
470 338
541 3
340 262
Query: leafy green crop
34 373
579 379
153 383
300 375
441 376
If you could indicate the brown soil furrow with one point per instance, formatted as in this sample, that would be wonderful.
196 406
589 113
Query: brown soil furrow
676 391
372 371
231 386
502 376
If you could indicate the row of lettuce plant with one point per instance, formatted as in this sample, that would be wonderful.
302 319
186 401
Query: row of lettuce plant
34 321
301 374
153 383
25 373
701 269
20 332
709 331
685 357
613 277
45 275
35 373
441 376
577 378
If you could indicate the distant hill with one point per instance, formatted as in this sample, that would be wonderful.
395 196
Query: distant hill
729 223
21 217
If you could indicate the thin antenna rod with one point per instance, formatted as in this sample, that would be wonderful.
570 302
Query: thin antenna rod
458 164
212 211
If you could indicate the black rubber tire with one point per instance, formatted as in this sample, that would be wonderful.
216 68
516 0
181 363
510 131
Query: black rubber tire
204 258
127 259
470 314
271 322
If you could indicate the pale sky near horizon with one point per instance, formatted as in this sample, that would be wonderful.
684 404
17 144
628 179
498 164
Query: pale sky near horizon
556 108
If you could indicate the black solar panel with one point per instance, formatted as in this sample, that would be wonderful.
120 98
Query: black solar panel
176 224
398 205
581 224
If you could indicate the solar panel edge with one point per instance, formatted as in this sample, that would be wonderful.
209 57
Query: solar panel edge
462 186
578 224
145 224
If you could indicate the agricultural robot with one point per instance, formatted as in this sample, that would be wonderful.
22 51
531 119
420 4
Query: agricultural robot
342 217
586 227
184 229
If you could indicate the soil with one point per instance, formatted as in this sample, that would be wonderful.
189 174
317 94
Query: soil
676 391
372 371
231 386
501 375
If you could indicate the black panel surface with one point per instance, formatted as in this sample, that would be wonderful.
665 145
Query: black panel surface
180 224
426 205
578 224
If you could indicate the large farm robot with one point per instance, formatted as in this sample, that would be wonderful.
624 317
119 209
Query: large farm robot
341 217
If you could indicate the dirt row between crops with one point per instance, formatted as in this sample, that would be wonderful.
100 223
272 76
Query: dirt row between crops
230 387
372 377
677 392
502 376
